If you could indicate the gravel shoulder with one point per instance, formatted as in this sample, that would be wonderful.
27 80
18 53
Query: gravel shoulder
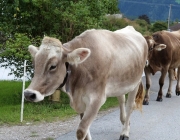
43 131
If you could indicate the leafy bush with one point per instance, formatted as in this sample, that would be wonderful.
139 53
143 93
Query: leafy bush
112 23
159 26
141 22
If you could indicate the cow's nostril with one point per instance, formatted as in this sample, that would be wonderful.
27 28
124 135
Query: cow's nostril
29 96
33 96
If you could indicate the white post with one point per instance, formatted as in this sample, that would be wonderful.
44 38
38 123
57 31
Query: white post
169 16
22 102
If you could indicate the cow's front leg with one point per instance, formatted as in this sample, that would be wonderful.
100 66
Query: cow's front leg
129 108
178 83
93 105
88 136
161 83
171 74
148 84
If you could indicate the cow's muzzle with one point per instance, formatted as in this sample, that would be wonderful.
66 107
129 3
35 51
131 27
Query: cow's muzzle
29 96
33 95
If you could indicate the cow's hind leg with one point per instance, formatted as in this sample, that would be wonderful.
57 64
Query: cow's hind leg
130 105
171 74
148 84
122 101
161 83
178 83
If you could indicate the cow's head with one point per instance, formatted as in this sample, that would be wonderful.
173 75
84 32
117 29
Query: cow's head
49 67
153 46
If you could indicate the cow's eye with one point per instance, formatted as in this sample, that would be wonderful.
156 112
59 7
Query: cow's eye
52 67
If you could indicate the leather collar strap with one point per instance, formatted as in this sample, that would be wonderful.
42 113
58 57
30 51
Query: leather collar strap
66 77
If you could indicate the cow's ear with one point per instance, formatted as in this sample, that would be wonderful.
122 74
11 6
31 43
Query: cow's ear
160 47
78 56
33 50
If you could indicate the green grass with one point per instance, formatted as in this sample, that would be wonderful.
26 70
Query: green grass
45 111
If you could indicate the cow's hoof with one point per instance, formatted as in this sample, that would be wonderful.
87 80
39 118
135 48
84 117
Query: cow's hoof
177 93
159 99
123 137
168 95
145 102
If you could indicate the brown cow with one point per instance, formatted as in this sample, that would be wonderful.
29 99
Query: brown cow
102 64
164 56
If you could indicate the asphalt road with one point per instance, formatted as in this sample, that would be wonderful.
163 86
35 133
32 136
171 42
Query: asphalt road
158 121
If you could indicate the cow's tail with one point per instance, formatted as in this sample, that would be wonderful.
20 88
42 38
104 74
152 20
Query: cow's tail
139 97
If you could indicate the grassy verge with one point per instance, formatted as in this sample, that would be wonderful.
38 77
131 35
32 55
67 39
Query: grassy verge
45 111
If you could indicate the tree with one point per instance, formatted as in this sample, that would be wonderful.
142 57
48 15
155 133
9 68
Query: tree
113 23
159 26
15 54
145 17
24 22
